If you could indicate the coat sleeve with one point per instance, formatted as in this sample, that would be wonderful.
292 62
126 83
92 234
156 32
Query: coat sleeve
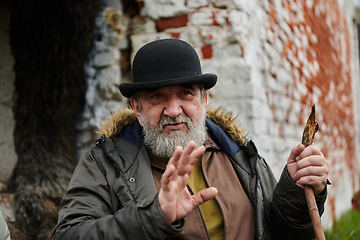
86 211
289 216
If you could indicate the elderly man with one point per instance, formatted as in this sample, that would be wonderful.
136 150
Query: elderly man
170 169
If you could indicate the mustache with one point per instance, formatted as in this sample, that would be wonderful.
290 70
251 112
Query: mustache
165 120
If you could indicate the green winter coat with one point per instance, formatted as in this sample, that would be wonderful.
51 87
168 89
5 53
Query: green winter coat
112 194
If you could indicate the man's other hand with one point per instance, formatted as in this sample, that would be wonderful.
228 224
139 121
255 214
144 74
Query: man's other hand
308 166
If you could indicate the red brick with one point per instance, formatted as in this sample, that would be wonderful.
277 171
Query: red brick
215 23
173 22
175 35
206 51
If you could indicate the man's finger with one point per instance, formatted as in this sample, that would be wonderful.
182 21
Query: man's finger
190 147
185 158
309 151
314 160
166 177
295 152
311 171
203 196
188 150
194 157
174 160
197 153
317 183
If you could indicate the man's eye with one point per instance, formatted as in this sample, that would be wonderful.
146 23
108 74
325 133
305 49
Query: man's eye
187 94
156 96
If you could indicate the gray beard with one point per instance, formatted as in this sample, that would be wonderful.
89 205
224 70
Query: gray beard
164 146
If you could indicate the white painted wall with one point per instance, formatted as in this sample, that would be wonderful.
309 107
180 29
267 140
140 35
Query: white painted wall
8 156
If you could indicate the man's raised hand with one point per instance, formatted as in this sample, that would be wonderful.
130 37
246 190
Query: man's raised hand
175 199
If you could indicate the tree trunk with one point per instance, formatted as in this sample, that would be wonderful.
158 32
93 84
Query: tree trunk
50 41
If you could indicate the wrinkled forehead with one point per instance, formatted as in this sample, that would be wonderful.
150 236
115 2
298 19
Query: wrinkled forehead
194 87
191 87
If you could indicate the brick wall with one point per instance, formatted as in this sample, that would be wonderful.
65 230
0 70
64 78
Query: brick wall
317 50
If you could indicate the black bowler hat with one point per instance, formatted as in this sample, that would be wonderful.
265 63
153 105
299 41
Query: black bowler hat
166 62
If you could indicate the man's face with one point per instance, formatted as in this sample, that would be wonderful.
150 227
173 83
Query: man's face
171 116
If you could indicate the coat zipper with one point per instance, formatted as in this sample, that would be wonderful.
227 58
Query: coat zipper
202 218
222 213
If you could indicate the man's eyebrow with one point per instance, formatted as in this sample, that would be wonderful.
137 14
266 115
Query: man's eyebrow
188 86
151 90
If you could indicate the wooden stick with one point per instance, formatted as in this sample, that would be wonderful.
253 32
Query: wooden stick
307 139
314 213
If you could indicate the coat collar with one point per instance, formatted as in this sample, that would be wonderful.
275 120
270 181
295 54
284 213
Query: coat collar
123 124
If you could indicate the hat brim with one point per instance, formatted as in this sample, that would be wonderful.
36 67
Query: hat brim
208 80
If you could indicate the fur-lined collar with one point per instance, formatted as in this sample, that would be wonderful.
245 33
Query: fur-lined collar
228 122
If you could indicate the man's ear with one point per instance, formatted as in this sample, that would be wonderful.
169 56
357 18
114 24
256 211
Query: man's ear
136 107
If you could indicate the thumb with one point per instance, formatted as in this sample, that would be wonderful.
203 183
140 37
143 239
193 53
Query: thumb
204 195
295 152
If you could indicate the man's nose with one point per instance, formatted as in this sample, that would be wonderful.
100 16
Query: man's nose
173 108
